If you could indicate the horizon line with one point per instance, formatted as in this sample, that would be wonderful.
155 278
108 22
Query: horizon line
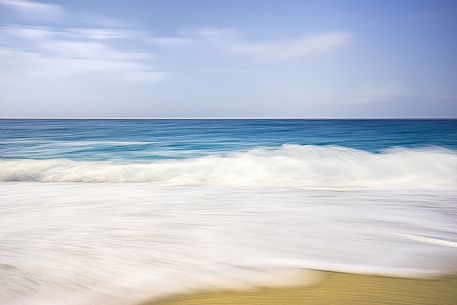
228 118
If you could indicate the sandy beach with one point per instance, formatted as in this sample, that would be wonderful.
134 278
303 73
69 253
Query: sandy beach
335 289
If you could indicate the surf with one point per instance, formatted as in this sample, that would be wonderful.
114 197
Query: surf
300 166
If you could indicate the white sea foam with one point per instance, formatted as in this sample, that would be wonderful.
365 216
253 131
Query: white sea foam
291 165
118 243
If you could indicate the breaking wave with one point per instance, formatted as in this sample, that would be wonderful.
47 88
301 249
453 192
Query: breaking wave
287 166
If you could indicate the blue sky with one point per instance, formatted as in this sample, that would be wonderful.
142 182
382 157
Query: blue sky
151 59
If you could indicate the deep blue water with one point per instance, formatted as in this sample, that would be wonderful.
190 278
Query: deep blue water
142 140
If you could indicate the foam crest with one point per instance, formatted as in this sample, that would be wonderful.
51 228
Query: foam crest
290 165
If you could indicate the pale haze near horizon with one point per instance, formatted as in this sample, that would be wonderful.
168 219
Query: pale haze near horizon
234 59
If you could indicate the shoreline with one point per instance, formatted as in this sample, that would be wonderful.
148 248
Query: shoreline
334 288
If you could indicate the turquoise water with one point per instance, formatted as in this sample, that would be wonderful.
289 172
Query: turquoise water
143 140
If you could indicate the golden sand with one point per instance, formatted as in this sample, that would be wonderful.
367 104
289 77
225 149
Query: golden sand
335 289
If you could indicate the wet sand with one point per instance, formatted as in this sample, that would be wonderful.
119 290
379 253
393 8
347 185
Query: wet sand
334 289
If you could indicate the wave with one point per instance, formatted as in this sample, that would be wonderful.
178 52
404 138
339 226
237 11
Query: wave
287 166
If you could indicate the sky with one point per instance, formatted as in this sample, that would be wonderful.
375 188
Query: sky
228 59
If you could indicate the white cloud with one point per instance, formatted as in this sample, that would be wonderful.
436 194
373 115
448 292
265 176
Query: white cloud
100 52
215 35
62 53
233 42
105 33
312 45
34 9
169 41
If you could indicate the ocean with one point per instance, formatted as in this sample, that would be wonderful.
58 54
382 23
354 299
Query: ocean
119 211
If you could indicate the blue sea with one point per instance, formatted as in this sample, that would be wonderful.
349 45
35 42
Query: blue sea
120 211
154 140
